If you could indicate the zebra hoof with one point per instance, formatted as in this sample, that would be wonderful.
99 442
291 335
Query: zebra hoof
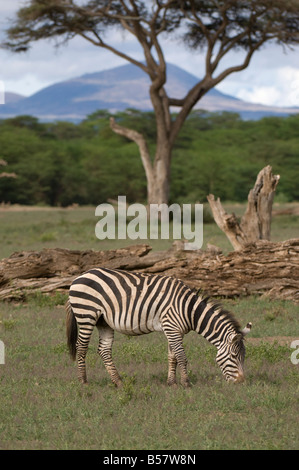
172 384
186 384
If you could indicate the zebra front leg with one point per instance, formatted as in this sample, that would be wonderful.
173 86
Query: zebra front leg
106 338
172 363
175 344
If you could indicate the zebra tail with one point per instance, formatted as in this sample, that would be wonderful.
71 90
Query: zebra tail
71 330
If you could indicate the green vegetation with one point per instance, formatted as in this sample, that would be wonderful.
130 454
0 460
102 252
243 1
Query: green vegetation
61 163
43 407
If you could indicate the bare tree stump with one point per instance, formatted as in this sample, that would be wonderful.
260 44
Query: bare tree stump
256 222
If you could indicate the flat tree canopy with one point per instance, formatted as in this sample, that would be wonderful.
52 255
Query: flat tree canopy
214 27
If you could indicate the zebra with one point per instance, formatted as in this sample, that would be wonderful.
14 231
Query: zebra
140 303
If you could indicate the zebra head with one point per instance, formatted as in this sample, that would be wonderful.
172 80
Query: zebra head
231 354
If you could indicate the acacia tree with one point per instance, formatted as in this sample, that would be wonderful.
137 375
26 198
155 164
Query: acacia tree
216 27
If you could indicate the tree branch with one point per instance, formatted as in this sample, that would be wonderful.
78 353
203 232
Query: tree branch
238 68
101 43
187 103
228 223
140 141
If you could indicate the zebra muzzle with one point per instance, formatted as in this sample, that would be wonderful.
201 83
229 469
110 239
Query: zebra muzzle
239 379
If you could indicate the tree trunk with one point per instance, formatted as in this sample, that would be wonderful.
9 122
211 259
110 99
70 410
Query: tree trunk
158 187
157 173
256 222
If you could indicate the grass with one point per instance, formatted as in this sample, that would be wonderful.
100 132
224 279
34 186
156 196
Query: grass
42 406
46 227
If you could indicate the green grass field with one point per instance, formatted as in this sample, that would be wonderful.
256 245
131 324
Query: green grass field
42 406
45 227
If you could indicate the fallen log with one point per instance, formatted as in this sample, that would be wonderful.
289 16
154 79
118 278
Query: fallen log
267 268
51 269
261 268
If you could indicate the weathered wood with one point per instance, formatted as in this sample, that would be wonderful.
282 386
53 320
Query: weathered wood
256 222
228 223
263 267
59 262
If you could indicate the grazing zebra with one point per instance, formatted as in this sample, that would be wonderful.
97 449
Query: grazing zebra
140 303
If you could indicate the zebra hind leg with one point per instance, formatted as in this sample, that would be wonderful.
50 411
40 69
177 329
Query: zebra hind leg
81 346
106 338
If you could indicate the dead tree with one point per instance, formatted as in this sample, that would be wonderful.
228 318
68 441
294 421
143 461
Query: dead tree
256 222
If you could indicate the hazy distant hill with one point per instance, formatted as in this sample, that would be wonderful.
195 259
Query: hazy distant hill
120 88
12 97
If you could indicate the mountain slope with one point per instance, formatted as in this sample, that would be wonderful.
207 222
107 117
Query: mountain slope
12 97
120 88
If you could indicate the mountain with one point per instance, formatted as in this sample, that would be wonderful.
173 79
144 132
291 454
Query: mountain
12 97
120 88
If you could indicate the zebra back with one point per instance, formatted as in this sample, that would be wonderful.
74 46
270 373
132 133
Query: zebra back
132 303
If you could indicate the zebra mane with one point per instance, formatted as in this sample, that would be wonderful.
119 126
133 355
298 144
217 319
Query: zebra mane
222 310
232 319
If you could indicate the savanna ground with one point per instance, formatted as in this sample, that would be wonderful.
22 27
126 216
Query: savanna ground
43 407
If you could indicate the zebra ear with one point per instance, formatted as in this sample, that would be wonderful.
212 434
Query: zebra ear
247 329
237 337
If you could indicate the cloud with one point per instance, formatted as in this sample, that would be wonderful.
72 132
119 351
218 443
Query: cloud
289 80
260 94
278 87
284 91
272 77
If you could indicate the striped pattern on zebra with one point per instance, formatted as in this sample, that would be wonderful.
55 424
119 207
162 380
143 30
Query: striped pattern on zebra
140 303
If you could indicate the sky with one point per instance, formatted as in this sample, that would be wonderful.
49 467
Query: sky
272 77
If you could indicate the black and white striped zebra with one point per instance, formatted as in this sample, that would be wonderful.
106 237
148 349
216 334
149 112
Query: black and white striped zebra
140 303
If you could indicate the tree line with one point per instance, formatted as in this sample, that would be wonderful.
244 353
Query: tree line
60 163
